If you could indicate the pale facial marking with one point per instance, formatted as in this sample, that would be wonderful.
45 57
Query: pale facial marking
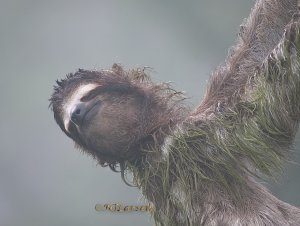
69 105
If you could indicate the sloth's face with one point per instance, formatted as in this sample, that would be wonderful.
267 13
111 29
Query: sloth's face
101 121
101 115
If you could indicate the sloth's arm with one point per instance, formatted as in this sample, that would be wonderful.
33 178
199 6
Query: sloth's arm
258 36
273 94
260 128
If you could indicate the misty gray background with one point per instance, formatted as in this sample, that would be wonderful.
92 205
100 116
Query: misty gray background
43 179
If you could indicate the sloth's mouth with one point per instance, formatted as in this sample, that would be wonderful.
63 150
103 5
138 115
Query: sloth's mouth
84 112
91 112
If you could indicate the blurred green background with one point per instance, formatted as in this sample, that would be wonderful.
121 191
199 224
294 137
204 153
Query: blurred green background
43 179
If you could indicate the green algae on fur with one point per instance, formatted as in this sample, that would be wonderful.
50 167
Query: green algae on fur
251 137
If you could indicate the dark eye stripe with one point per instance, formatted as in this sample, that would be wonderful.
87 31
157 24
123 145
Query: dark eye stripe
115 88
90 95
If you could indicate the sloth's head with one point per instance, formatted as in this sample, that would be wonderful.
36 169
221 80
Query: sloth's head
113 114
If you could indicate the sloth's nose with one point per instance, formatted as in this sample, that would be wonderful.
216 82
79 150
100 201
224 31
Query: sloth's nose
78 113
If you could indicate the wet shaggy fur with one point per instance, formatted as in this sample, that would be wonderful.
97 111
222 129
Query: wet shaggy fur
157 105
199 168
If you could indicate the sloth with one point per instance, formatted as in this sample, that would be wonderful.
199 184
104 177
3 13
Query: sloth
199 167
